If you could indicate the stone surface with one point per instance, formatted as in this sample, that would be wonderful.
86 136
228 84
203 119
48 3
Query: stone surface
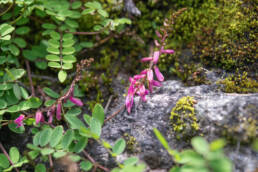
215 110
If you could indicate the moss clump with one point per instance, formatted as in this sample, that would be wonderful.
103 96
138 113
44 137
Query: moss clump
131 143
183 117
239 84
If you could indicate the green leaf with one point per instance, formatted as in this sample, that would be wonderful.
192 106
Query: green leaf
76 4
87 44
67 36
74 111
14 50
103 13
5 29
217 144
20 42
49 102
45 136
22 30
14 108
56 136
131 161
55 35
98 113
53 43
14 154
86 165
35 102
40 168
119 146
88 11
74 122
54 65
106 144
68 50
4 163
87 119
93 5
67 139
53 50
3 104
47 151
12 126
6 86
62 75
49 26
161 138
67 66
17 91
72 23
51 93
6 38
14 74
41 65
222 164
95 126
24 93
59 154
36 139
33 154
80 145
68 43
69 59
200 145
192 158
52 57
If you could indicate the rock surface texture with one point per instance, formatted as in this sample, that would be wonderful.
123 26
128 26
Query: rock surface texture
219 115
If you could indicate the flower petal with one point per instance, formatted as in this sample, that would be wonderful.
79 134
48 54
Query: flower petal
146 59
159 75
150 75
38 116
169 51
155 57
19 121
76 101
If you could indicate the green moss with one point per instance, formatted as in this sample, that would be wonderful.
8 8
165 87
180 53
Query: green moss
183 117
131 143
239 84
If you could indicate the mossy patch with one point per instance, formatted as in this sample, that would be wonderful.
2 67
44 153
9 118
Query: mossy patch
239 83
183 117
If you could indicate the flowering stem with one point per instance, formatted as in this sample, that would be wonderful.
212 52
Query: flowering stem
8 157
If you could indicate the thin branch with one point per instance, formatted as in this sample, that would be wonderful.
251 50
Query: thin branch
8 157
95 164
115 113
50 161
29 76
10 6
44 77
108 103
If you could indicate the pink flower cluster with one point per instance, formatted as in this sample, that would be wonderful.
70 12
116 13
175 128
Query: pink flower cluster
137 83
39 117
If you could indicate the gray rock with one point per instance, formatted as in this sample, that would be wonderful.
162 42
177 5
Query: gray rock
216 111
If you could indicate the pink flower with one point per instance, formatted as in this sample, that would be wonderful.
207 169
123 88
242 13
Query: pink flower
76 101
156 83
58 111
137 77
159 75
39 117
150 75
169 51
157 43
156 57
129 102
158 34
19 121
146 59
